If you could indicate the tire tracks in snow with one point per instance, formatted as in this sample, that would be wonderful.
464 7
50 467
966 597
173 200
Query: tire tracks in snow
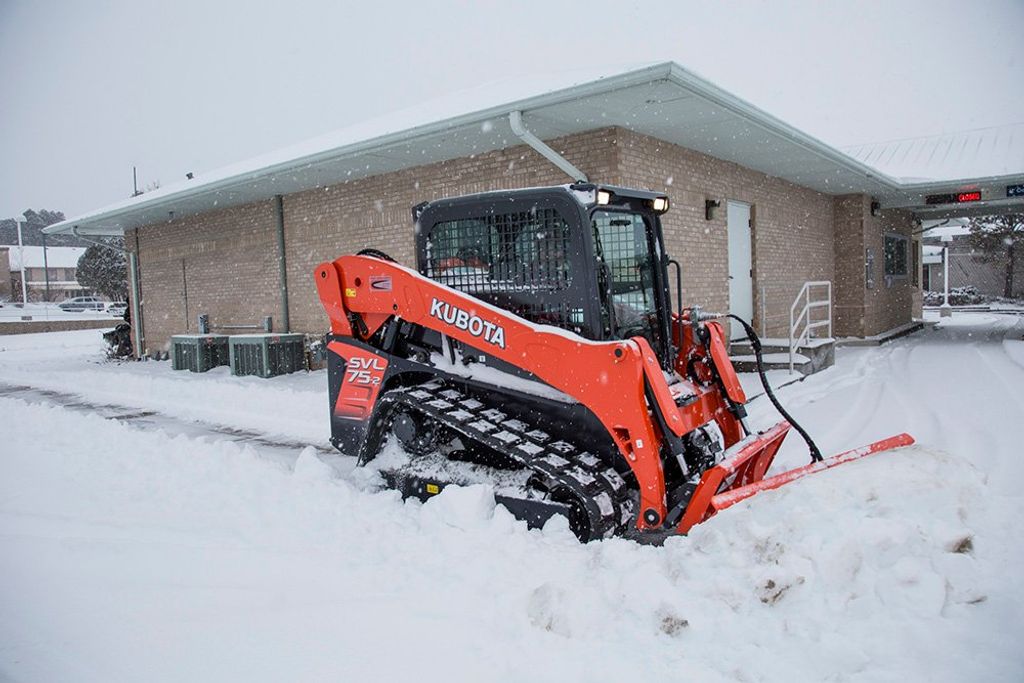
286 451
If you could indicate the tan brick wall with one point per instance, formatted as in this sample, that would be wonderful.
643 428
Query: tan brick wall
890 302
222 263
848 294
229 256
226 260
375 212
792 230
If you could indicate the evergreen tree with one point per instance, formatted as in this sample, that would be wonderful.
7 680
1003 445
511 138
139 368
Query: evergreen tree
32 230
1000 237
105 270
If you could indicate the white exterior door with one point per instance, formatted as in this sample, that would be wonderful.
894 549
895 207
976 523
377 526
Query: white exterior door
741 282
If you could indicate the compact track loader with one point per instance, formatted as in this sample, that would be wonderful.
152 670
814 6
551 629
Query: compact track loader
535 349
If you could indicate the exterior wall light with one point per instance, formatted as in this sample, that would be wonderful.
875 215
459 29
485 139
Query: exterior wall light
709 208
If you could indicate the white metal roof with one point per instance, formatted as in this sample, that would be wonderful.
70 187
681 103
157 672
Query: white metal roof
56 257
993 151
662 100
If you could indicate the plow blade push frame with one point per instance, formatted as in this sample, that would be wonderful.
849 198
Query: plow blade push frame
749 463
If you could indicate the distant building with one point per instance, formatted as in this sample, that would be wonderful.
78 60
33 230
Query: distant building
59 263
967 266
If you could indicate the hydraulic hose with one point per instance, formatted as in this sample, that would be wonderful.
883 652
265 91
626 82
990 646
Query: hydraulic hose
375 253
755 344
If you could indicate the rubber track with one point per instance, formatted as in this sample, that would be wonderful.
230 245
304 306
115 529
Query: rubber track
607 498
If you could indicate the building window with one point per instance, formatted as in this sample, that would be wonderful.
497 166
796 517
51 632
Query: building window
895 255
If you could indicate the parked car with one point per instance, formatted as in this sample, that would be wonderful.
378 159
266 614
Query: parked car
82 303
117 308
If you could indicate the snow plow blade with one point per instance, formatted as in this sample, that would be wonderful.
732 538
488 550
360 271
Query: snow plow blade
749 462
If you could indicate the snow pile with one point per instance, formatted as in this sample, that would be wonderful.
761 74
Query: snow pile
131 554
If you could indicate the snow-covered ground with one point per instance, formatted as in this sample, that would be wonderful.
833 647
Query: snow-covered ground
10 313
139 544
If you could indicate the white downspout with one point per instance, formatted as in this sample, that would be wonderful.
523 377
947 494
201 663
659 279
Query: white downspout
515 120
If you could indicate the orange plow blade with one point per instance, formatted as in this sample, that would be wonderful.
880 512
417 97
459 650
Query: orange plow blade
740 475
733 496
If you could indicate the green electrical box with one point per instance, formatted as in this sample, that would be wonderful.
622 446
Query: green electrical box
267 355
199 352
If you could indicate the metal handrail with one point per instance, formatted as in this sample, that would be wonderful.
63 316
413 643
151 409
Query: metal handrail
803 320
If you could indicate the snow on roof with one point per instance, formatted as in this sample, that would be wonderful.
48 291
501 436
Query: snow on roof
950 227
443 108
979 153
56 257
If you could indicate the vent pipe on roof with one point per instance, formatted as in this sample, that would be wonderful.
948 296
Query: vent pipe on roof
515 120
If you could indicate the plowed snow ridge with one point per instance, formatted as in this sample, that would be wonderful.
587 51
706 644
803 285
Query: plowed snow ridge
131 554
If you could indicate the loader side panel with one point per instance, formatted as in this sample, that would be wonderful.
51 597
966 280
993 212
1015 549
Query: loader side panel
363 377
355 376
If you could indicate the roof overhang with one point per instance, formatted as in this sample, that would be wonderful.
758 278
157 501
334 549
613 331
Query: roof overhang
664 101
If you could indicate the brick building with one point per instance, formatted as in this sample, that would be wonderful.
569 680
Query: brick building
54 271
758 208
968 267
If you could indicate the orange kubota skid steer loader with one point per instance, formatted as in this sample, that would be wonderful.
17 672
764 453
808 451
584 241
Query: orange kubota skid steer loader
536 350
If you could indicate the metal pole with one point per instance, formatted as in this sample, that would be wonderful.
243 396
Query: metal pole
282 266
46 269
945 276
21 257
133 277
945 310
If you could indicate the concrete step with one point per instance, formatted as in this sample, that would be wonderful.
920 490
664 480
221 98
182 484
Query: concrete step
813 357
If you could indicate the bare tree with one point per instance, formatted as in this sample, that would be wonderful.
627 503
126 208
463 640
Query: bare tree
1000 237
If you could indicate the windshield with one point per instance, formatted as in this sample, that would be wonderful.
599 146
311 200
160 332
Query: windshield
623 249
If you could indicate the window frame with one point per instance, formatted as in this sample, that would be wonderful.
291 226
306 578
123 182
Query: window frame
903 241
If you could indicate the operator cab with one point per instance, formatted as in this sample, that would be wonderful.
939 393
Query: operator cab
586 258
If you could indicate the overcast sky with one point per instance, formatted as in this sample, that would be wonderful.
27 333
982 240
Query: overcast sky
88 89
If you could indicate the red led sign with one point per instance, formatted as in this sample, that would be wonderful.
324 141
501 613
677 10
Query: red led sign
958 198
